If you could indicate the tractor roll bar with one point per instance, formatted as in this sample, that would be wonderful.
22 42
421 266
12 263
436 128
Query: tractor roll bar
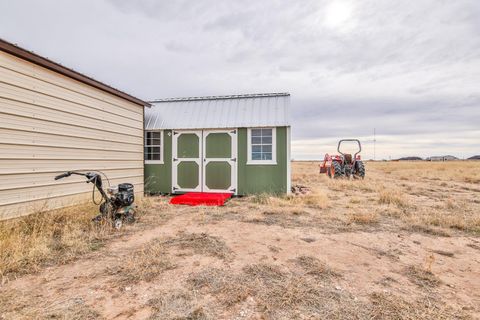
350 140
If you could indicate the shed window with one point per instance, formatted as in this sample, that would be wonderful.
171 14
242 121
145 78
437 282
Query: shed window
153 146
261 146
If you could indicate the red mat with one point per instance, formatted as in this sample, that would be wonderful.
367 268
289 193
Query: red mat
201 199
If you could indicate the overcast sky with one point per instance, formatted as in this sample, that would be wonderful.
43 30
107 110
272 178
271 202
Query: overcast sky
410 69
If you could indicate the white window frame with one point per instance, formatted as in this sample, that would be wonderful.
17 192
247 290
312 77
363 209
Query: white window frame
161 147
274 148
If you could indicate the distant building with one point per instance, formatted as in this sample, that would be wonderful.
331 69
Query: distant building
442 158
410 159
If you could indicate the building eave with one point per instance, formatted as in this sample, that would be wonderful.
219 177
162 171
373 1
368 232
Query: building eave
32 57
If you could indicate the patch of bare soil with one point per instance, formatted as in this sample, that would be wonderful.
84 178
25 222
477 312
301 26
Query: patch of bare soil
402 244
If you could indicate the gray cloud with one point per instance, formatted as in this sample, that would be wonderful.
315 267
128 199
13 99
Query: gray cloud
409 69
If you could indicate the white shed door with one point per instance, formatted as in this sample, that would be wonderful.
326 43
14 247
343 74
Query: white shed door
204 161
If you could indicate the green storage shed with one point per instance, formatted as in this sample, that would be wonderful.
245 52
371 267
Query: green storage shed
237 144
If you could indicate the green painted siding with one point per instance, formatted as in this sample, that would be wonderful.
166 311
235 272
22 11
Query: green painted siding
158 177
251 178
262 178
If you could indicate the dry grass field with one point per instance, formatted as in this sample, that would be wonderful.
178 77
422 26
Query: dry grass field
402 244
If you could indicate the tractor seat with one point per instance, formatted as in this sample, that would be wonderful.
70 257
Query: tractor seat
348 158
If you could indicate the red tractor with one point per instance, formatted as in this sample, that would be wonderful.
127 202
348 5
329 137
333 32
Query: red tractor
344 165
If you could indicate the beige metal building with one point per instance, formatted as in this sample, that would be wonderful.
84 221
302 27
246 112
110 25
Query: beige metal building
54 119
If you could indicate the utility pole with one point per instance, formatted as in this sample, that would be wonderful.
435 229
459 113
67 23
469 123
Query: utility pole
374 145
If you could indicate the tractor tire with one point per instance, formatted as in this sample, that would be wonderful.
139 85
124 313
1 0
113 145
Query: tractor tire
335 170
331 171
360 170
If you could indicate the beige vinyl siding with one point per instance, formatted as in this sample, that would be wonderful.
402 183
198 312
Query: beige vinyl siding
49 124
20 137
27 96
7 166
40 79
25 180
63 188
28 110
45 126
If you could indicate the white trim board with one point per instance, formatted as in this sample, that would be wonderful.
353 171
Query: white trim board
202 161
289 162
161 147
274 147
232 161
175 163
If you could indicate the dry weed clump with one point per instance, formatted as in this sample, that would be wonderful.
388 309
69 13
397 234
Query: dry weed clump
355 200
451 204
201 243
59 236
314 267
228 288
152 259
421 228
422 277
286 218
288 211
341 184
363 185
145 264
391 307
431 220
392 197
177 305
394 212
279 294
287 294
74 309
314 199
148 203
366 218
15 304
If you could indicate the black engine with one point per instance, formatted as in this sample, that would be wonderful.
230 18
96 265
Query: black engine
125 195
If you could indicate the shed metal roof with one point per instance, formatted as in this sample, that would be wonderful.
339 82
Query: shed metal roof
215 112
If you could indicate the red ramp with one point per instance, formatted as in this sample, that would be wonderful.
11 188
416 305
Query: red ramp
201 199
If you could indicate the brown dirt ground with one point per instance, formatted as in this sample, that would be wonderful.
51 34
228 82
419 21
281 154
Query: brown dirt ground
402 244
